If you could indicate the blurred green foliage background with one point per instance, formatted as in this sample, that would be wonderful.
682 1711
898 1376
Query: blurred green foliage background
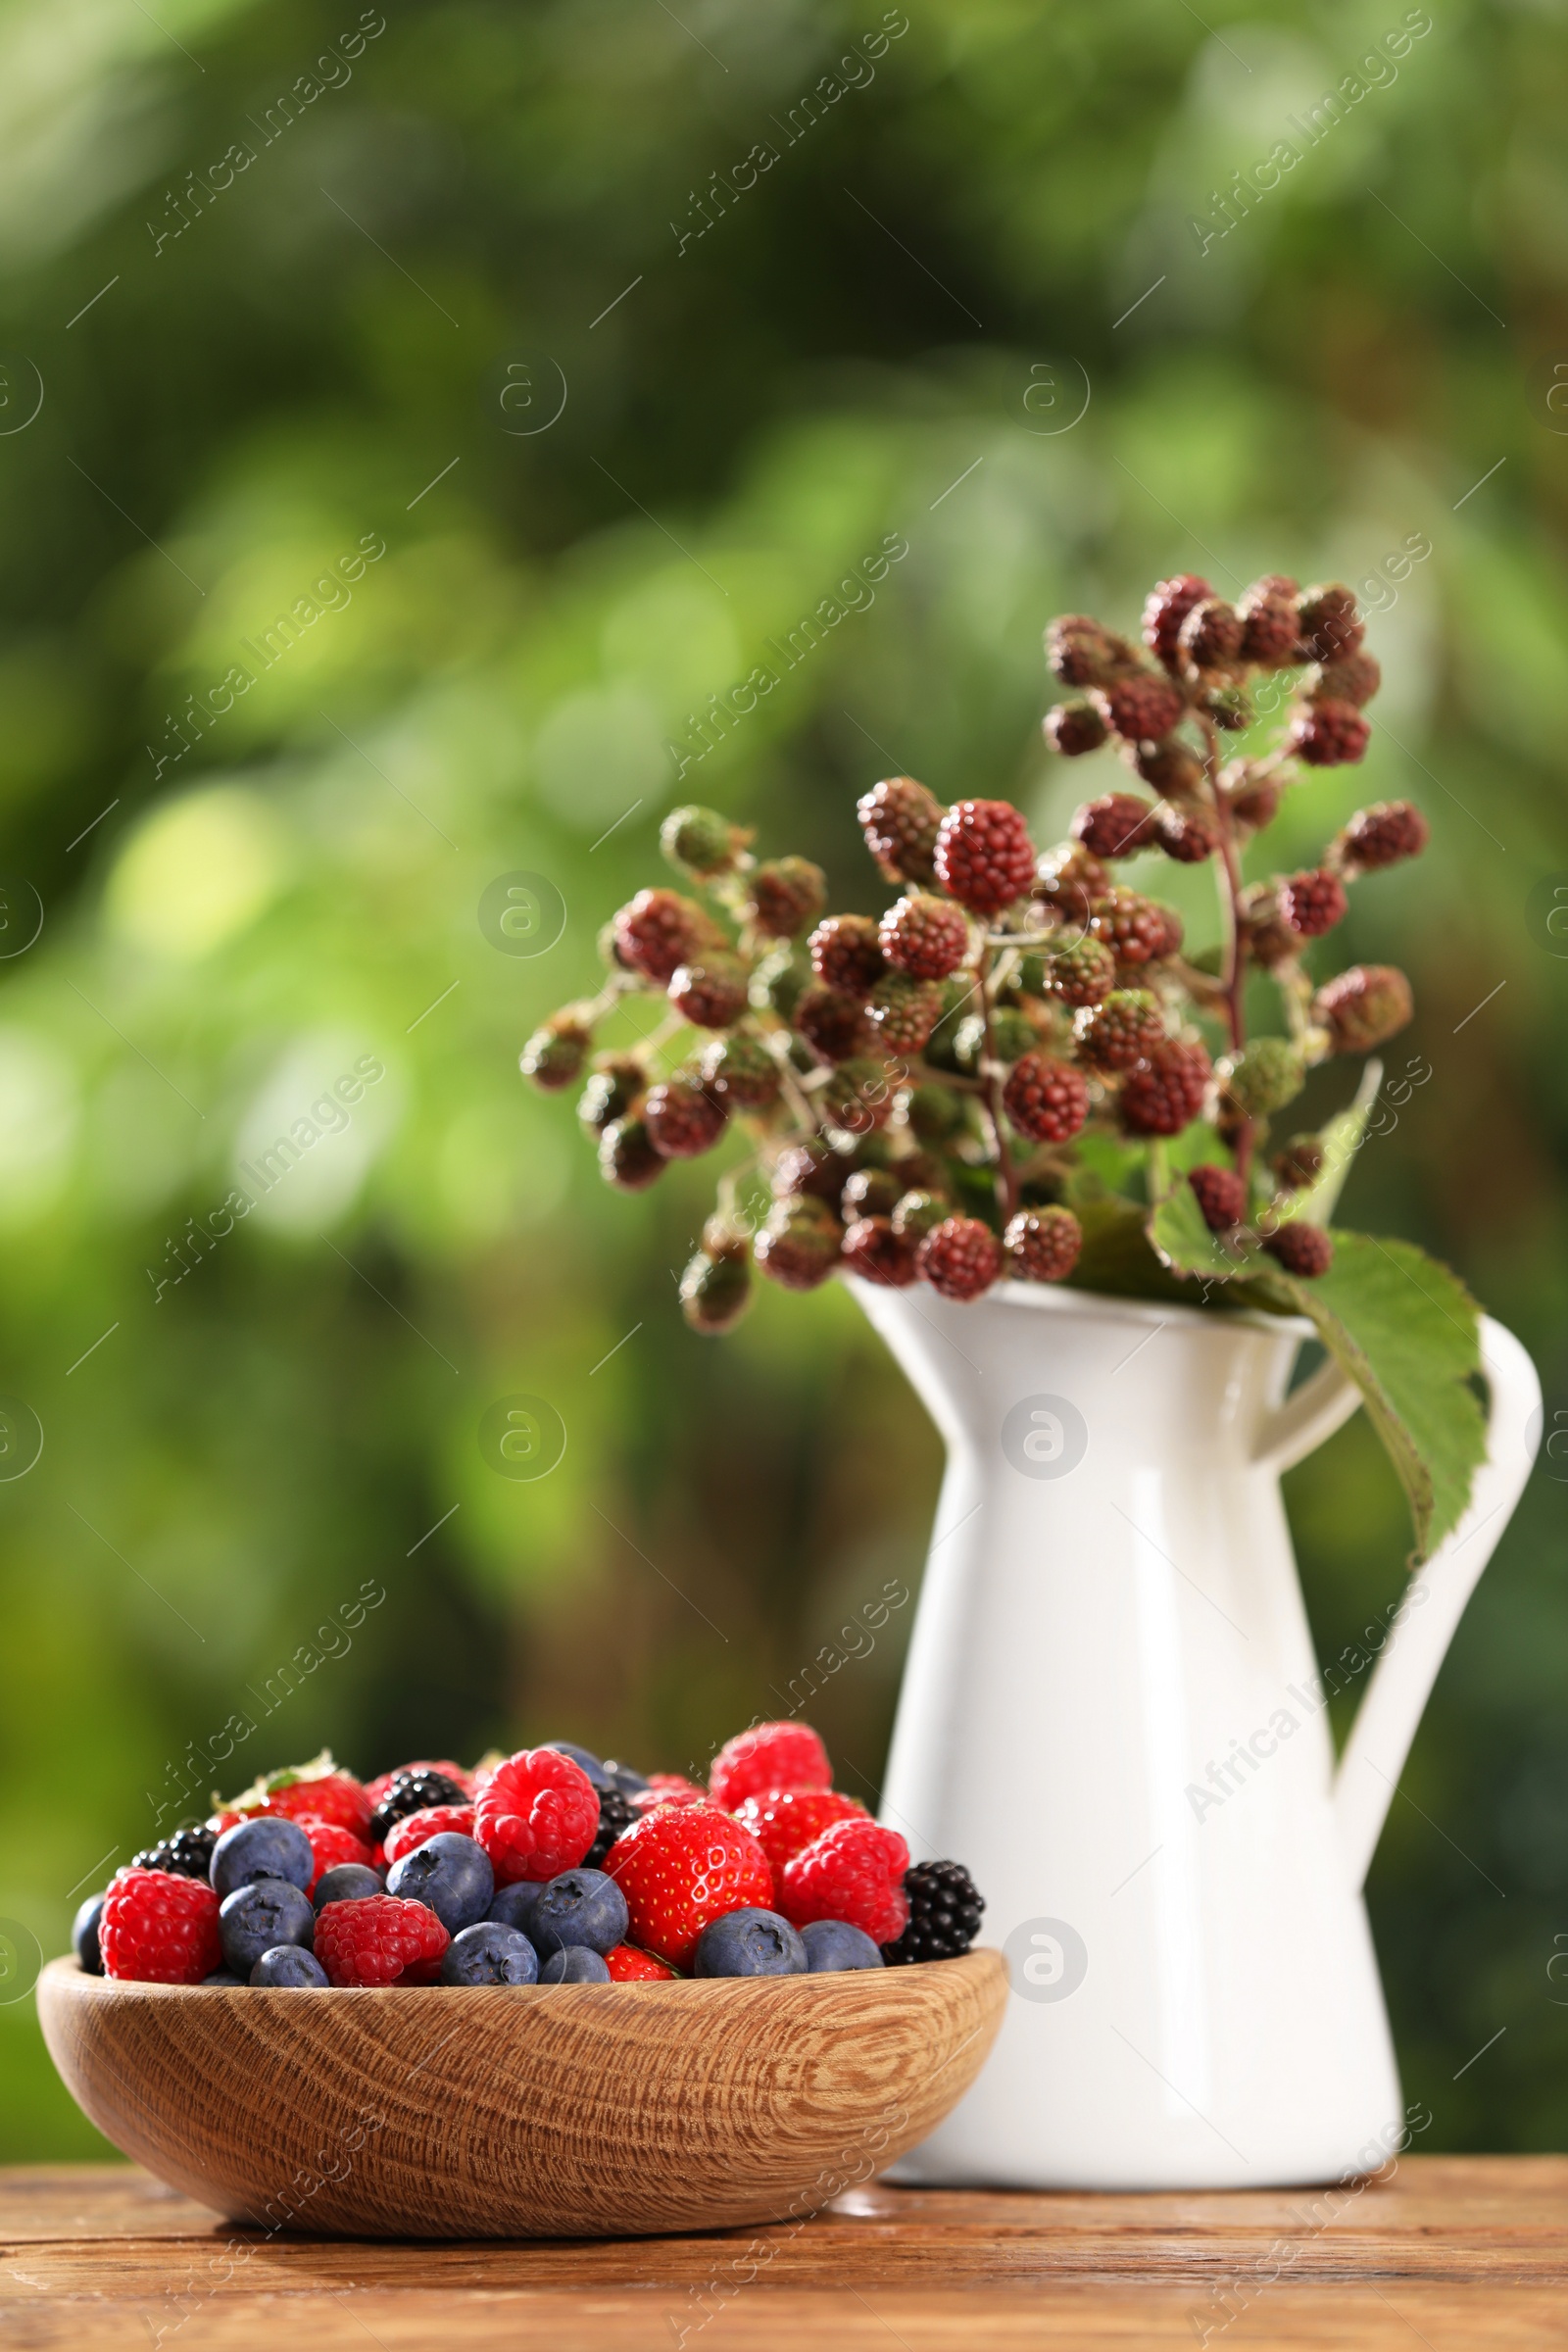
362 337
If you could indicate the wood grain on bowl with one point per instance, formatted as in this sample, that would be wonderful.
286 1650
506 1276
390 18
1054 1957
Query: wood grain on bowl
524 2111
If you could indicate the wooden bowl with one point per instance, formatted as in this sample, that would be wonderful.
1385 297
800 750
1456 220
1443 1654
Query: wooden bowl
524 2111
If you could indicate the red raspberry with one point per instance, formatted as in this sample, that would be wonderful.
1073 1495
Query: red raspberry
1121 1031
554 1056
537 1815
1352 678
1221 1195
1170 767
683 1120
766 1758
874 1250
1137 930
160 1928
629 1966
799 1246
1168 603
712 992
1043 1244
847 954
1081 652
1312 903
904 1011
656 933
925 937
1186 831
1073 728
961 1257
1328 734
1082 974
785 1821
682 1866
1330 628
379 1939
1304 1250
376 1790
1046 1099
1210 635
1141 709
1068 881
331 1846
784 894
984 854
669 1788
1364 1007
1118 825
418 1829
833 1026
627 1157
1269 623
1165 1093
329 1795
854 1872
1380 836
900 821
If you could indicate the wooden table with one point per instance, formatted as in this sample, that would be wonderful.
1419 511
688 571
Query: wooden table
1457 2253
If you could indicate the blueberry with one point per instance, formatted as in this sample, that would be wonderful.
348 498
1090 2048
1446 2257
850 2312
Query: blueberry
490 1953
265 1847
512 1906
750 1943
222 1976
628 1779
255 1918
597 1773
581 1907
575 1964
84 1936
449 1873
347 1883
832 1943
289 1964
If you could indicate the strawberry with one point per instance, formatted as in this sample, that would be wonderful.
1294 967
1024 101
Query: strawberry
629 1966
319 1788
330 1845
681 1867
416 1828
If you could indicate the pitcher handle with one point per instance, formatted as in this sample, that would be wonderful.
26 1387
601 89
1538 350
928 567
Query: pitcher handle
1434 1602
1307 1417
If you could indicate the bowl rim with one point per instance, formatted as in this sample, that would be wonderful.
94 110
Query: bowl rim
65 1969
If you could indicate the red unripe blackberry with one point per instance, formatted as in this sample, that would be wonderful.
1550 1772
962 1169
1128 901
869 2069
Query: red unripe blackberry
1168 603
612 1090
858 1095
1122 1031
961 1257
871 1192
1170 767
1141 709
1073 728
1221 1195
1301 1163
984 854
1364 1007
656 933
554 1056
833 1026
1165 1094
799 1246
904 1011
1081 652
925 937
1082 974
740 1072
1069 881
1328 620
1118 825
1380 836
1229 707
1186 831
1137 930
1328 734
715 1288
1270 628
1046 1099
814 1169
1211 636
627 1158
682 1121
900 821
1042 1244
784 894
1351 678
1253 797
1312 903
1304 1250
712 992
847 953
872 1250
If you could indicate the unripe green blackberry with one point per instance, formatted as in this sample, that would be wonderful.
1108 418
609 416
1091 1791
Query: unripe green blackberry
1229 707
715 1288
778 979
613 1088
904 1011
916 1213
942 1046
784 895
858 1095
871 1192
739 1072
1364 1007
1265 1075
699 841
554 1056
799 1246
1082 974
1012 1034
936 1113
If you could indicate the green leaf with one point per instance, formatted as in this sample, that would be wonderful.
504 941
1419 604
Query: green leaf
1342 1137
1177 1230
1407 1332
1116 1257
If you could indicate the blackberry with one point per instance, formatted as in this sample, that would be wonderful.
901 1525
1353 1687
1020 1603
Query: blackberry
1118 1032
871 1192
1118 825
554 1056
929 938
1082 974
1165 1093
1073 728
682 1121
1140 708
1081 652
1312 903
410 1793
627 1157
655 933
799 1246
1043 1244
1186 831
711 993
984 854
1068 881
1168 603
961 1257
900 821
715 1287
1328 734
1221 1195
614 1815
1211 636
847 954
740 1072
1046 1100
1269 623
874 1250
944 1908
835 1027
1380 836
1170 767
188 1853
1329 624
785 895
1304 1250
610 1093
1137 930
1351 678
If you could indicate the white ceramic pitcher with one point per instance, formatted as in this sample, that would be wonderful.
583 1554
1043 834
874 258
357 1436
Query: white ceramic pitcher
1113 1714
